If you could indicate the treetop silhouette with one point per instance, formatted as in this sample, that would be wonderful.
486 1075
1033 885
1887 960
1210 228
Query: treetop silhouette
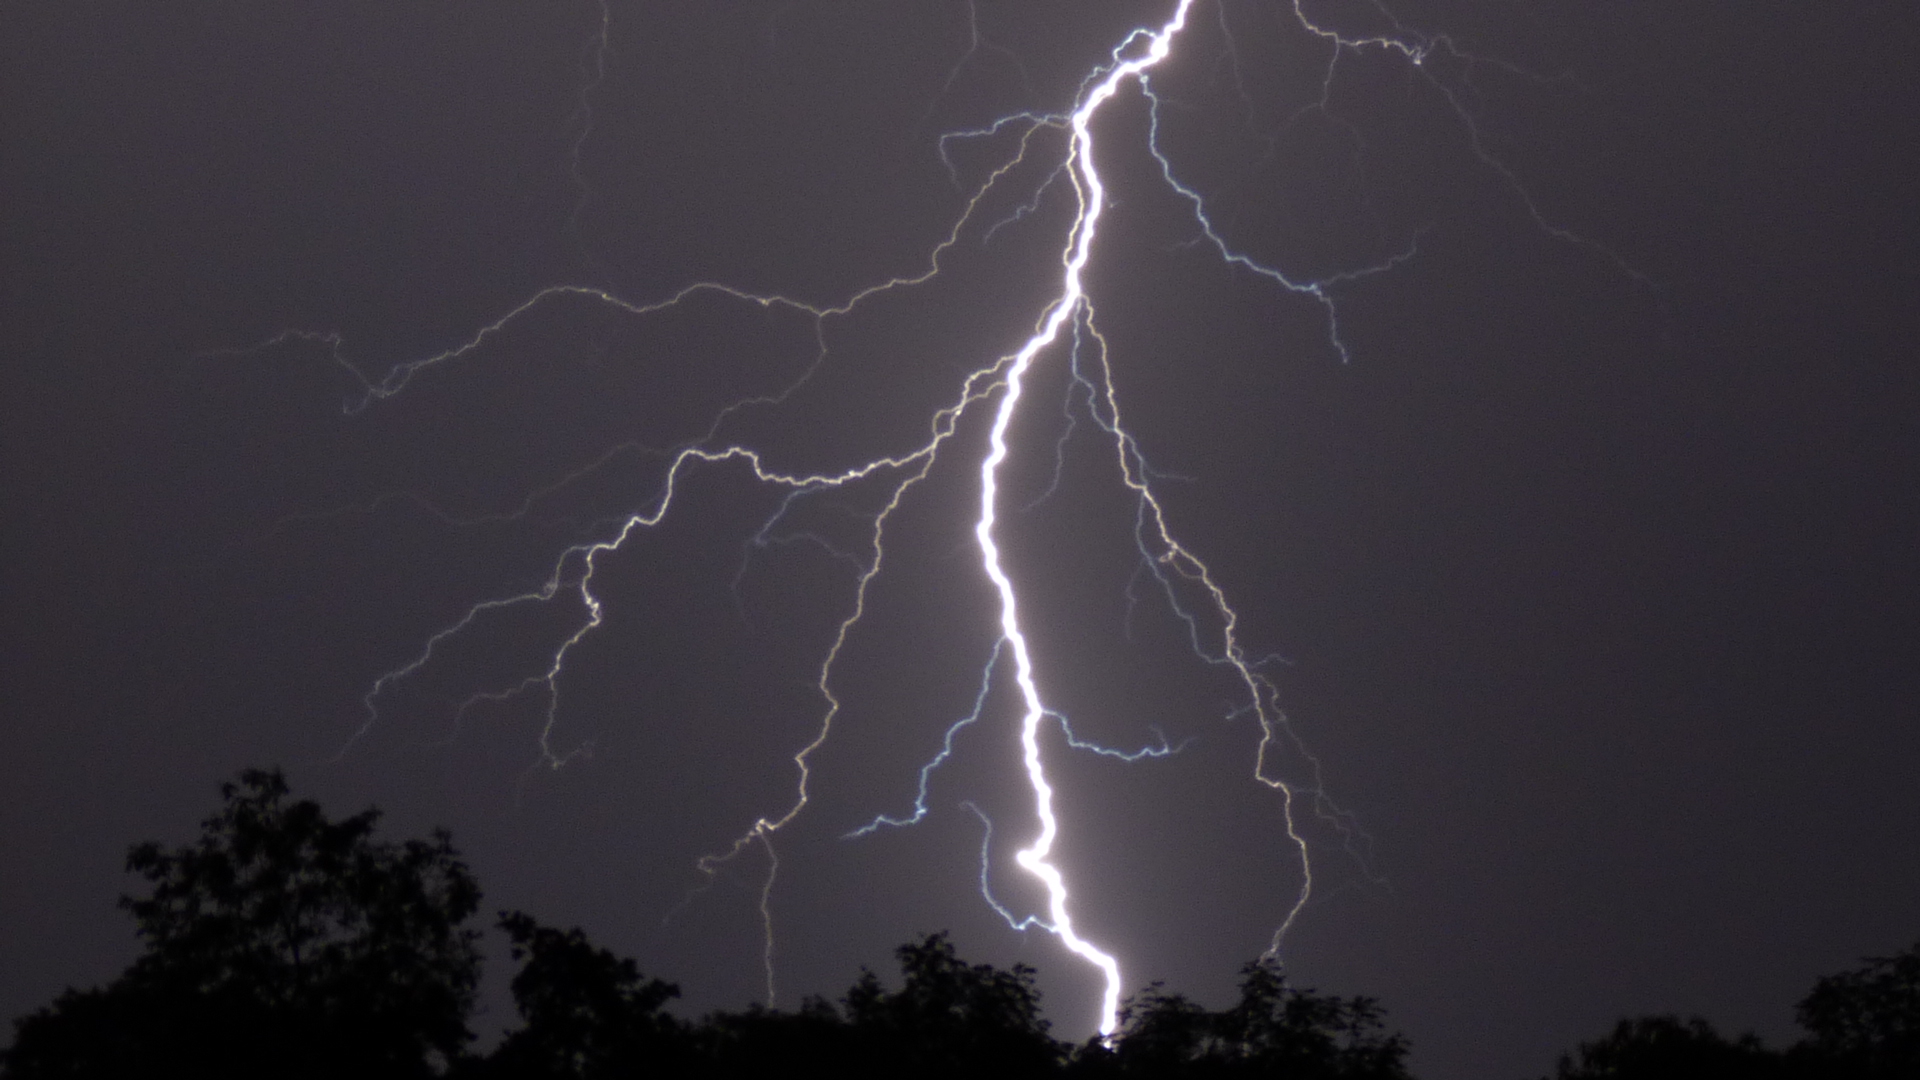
281 943
284 943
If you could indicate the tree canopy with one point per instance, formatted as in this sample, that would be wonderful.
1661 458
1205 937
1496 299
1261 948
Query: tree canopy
1862 1024
1867 1021
283 943
585 1013
1274 1030
1670 1048
951 1018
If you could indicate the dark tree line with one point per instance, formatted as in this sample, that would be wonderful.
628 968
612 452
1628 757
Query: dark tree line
1862 1025
286 944
280 943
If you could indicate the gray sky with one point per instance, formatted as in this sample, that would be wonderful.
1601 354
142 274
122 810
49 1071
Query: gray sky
1586 574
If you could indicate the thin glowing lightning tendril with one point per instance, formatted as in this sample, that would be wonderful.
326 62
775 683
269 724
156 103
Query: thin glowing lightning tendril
1169 562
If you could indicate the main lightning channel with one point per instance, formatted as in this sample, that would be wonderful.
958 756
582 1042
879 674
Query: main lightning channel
1086 177
998 384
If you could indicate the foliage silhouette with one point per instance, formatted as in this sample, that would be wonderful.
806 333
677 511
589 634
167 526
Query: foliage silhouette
1862 1025
287 944
950 1018
1669 1048
586 1014
282 943
1274 1030
1866 1022
767 1042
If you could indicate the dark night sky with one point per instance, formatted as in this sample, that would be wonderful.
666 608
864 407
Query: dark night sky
1590 575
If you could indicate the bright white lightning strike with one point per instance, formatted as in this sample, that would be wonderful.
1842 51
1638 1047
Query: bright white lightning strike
573 572
1066 306
895 475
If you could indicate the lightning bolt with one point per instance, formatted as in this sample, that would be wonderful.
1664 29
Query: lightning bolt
1066 322
1092 197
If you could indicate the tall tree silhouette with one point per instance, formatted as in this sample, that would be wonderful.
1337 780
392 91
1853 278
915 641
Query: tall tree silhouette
281 943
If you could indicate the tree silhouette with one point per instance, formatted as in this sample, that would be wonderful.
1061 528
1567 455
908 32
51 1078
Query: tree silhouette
1274 1030
281 943
1866 1022
1670 1048
1862 1025
286 944
767 1042
587 1014
950 1018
